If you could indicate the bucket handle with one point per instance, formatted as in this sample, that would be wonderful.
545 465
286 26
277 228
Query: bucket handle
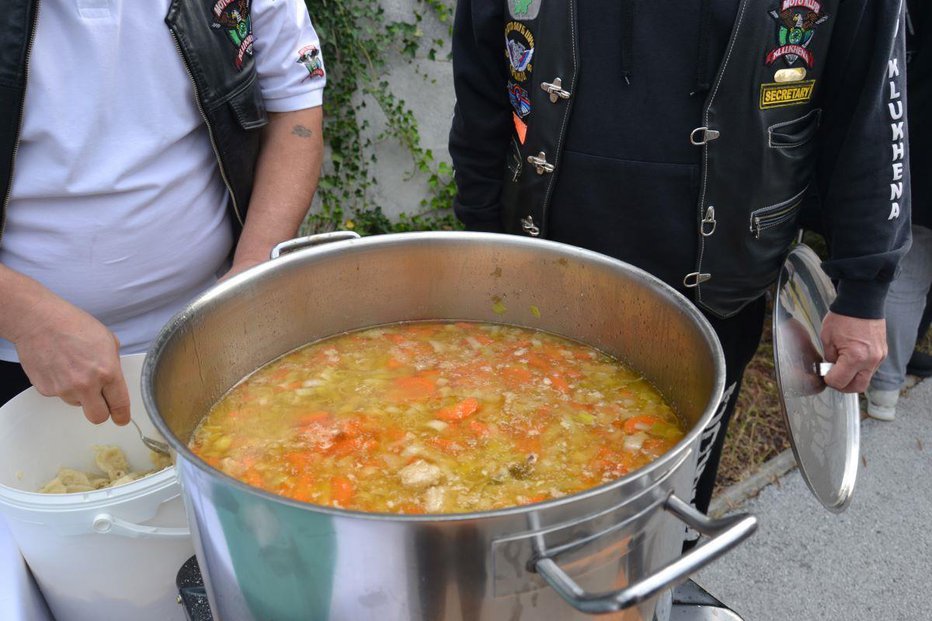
725 534
106 524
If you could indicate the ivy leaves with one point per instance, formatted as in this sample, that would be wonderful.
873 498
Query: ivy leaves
358 42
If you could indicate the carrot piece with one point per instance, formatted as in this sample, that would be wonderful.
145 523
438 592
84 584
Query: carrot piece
251 477
301 494
414 388
214 462
461 410
537 498
480 429
395 433
656 447
559 383
280 374
642 422
444 444
343 447
395 363
527 444
299 460
516 376
341 489
312 417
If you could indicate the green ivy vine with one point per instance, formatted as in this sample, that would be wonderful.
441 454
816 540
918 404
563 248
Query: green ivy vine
357 43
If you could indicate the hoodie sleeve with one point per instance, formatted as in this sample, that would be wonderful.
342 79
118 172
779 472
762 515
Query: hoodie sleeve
863 168
481 118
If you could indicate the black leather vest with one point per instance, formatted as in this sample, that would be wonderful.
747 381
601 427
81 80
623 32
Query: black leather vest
215 43
758 138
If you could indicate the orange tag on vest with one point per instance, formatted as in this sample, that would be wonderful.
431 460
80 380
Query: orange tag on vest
520 127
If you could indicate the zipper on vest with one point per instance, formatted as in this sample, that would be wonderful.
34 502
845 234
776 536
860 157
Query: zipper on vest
210 131
22 107
773 215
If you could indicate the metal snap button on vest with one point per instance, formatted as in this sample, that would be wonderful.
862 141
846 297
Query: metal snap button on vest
707 226
529 227
540 163
555 89
703 135
694 279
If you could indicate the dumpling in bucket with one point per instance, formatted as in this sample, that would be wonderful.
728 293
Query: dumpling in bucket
116 471
111 460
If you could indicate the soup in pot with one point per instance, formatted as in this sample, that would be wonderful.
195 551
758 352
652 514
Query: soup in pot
437 417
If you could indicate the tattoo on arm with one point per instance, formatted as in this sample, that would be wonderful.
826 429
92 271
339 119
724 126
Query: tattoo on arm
301 131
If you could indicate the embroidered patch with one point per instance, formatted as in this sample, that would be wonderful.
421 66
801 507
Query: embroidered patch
524 9
777 95
796 23
309 56
520 100
519 49
233 16
520 127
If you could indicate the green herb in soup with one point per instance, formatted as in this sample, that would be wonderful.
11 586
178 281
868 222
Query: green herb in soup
437 418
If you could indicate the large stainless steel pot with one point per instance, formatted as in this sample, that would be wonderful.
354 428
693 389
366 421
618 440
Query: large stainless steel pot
612 549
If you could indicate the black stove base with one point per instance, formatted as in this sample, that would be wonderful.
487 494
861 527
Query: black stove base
690 601
192 596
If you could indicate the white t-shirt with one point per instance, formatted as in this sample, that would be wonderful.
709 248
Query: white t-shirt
117 204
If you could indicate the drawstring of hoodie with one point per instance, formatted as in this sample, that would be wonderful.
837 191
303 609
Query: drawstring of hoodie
703 72
627 38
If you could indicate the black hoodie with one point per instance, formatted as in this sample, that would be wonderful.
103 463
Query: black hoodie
629 181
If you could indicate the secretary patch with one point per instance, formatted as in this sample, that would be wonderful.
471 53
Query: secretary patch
778 94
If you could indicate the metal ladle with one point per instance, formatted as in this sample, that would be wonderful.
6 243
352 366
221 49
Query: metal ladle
153 444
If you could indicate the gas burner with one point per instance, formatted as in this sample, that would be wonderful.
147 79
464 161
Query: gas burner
693 603
192 596
690 601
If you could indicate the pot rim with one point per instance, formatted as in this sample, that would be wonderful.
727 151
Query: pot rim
669 460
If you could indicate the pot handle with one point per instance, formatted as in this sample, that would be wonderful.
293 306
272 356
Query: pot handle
299 243
725 534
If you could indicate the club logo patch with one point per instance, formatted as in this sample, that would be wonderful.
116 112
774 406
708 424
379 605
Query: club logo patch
519 49
796 24
233 16
520 100
524 9
309 56
779 94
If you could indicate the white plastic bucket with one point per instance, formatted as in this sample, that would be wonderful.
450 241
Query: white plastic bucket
107 554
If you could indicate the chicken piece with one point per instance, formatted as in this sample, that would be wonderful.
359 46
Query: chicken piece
433 499
420 474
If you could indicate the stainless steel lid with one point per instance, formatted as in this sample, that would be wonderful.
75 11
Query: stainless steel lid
824 424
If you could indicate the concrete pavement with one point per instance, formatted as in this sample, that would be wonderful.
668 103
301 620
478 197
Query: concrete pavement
870 563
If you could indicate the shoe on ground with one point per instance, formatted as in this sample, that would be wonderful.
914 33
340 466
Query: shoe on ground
920 364
881 404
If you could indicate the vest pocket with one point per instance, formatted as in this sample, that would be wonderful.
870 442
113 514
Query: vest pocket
249 107
772 216
796 132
